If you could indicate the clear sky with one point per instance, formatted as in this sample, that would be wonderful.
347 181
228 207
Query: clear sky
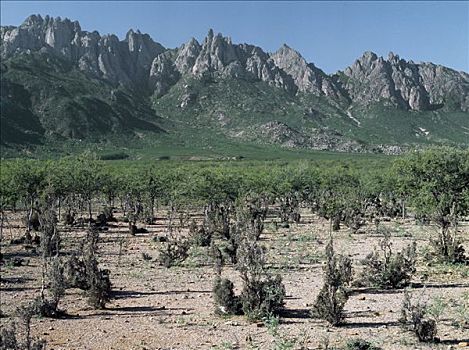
329 34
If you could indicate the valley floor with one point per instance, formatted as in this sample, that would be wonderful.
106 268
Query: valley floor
154 307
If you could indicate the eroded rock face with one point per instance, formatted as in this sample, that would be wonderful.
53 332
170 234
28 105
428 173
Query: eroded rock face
145 65
120 62
406 84
305 75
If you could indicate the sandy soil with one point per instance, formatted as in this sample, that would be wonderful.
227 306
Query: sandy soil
159 308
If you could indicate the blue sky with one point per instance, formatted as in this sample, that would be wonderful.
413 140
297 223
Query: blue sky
330 34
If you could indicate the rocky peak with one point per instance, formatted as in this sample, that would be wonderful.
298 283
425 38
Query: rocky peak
187 55
216 53
306 76
33 20
403 83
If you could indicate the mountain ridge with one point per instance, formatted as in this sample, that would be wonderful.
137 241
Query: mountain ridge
141 73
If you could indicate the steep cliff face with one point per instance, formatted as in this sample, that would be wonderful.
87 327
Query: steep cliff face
305 75
120 62
405 84
140 62
65 81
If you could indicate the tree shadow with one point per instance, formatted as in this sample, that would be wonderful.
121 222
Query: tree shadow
123 294
136 309
440 285
373 290
294 314
454 341
370 324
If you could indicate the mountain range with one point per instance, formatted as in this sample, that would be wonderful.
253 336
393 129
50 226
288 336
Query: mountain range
63 85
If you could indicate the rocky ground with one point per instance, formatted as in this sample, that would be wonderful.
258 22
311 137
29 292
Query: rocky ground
154 307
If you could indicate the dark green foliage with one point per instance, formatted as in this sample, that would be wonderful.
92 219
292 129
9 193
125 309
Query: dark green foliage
50 237
261 298
174 252
199 236
84 273
17 335
224 297
331 300
360 344
388 269
75 273
437 183
262 294
424 327
98 281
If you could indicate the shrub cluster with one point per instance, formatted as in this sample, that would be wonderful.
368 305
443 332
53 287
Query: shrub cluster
331 300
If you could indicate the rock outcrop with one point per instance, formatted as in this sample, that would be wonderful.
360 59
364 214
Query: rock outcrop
125 62
143 64
403 83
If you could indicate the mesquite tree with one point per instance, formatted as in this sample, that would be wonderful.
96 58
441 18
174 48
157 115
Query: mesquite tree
437 183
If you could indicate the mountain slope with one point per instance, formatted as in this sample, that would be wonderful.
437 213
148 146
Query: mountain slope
60 83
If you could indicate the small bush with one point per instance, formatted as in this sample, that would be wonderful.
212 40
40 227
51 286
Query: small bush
224 296
17 336
56 285
448 247
331 300
217 258
75 273
199 236
68 218
389 270
146 256
261 298
50 238
416 315
174 253
84 273
262 293
360 344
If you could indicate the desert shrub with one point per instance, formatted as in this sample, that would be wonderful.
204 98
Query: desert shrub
262 294
423 178
199 236
68 218
17 336
447 247
32 219
416 315
249 224
53 289
50 238
99 292
56 280
260 298
98 281
83 272
75 273
290 208
146 256
388 270
105 217
331 300
353 218
174 252
8 337
224 296
360 344
217 258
